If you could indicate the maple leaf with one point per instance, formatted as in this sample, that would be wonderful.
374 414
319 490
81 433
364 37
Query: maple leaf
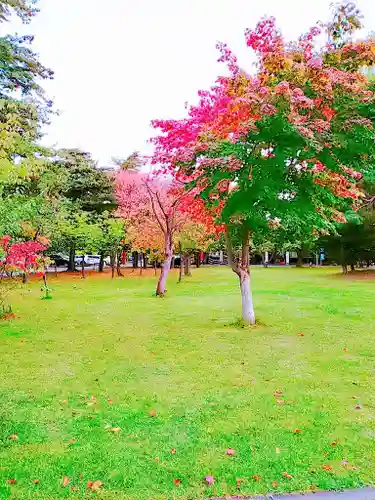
173 451
275 484
278 393
256 477
13 437
297 431
177 482
156 459
152 413
11 481
358 406
238 482
209 480
288 476
36 481
326 467
301 335
333 443
66 480
110 402
94 485
230 452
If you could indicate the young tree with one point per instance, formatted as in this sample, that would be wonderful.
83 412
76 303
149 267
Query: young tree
284 147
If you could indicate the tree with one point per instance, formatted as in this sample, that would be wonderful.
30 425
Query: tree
146 200
282 148
111 239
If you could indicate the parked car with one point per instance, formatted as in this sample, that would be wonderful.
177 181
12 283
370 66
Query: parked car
90 260
59 259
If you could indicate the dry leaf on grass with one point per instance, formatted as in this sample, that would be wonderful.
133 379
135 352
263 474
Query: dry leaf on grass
66 480
94 485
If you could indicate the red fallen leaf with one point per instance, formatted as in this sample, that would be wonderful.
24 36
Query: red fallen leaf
238 482
36 481
152 413
94 485
177 482
275 484
358 407
110 402
327 467
65 482
278 393
256 477
13 437
156 459
209 480
297 431
11 481
288 476
92 398
73 441
115 429
333 443
173 451
301 335
345 349
230 452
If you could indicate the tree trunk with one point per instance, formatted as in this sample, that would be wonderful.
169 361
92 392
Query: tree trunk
248 314
187 265
83 275
241 268
118 264
113 264
345 268
141 266
198 259
135 260
162 283
72 255
299 258
181 268
145 260
155 267
352 268
101 262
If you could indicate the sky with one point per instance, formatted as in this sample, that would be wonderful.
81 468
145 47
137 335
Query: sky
121 63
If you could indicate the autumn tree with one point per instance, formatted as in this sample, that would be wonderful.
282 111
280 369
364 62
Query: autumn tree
285 146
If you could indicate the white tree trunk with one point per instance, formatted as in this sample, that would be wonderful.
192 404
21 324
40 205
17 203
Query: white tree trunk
161 287
248 314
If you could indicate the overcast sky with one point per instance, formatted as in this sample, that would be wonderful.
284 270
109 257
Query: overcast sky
121 63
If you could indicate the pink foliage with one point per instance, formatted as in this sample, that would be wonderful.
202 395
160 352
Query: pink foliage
20 256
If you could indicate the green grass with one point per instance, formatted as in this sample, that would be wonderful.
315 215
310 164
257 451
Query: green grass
211 383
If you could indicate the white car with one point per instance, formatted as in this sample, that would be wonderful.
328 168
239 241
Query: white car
89 260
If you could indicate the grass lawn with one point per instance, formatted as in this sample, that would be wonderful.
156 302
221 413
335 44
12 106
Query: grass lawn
105 382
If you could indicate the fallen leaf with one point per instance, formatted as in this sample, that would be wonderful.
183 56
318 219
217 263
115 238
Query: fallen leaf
209 480
73 441
65 482
12 481
297 431
333 443
278 451
156 459
326 467
115 429
152 413
278 393
110 402
256 477
94 485
280 401
301 335
358 407
64 402
173 451
238 482
230 452
288 476
13 437
36 481
177 482
345 349
275 484
92 398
